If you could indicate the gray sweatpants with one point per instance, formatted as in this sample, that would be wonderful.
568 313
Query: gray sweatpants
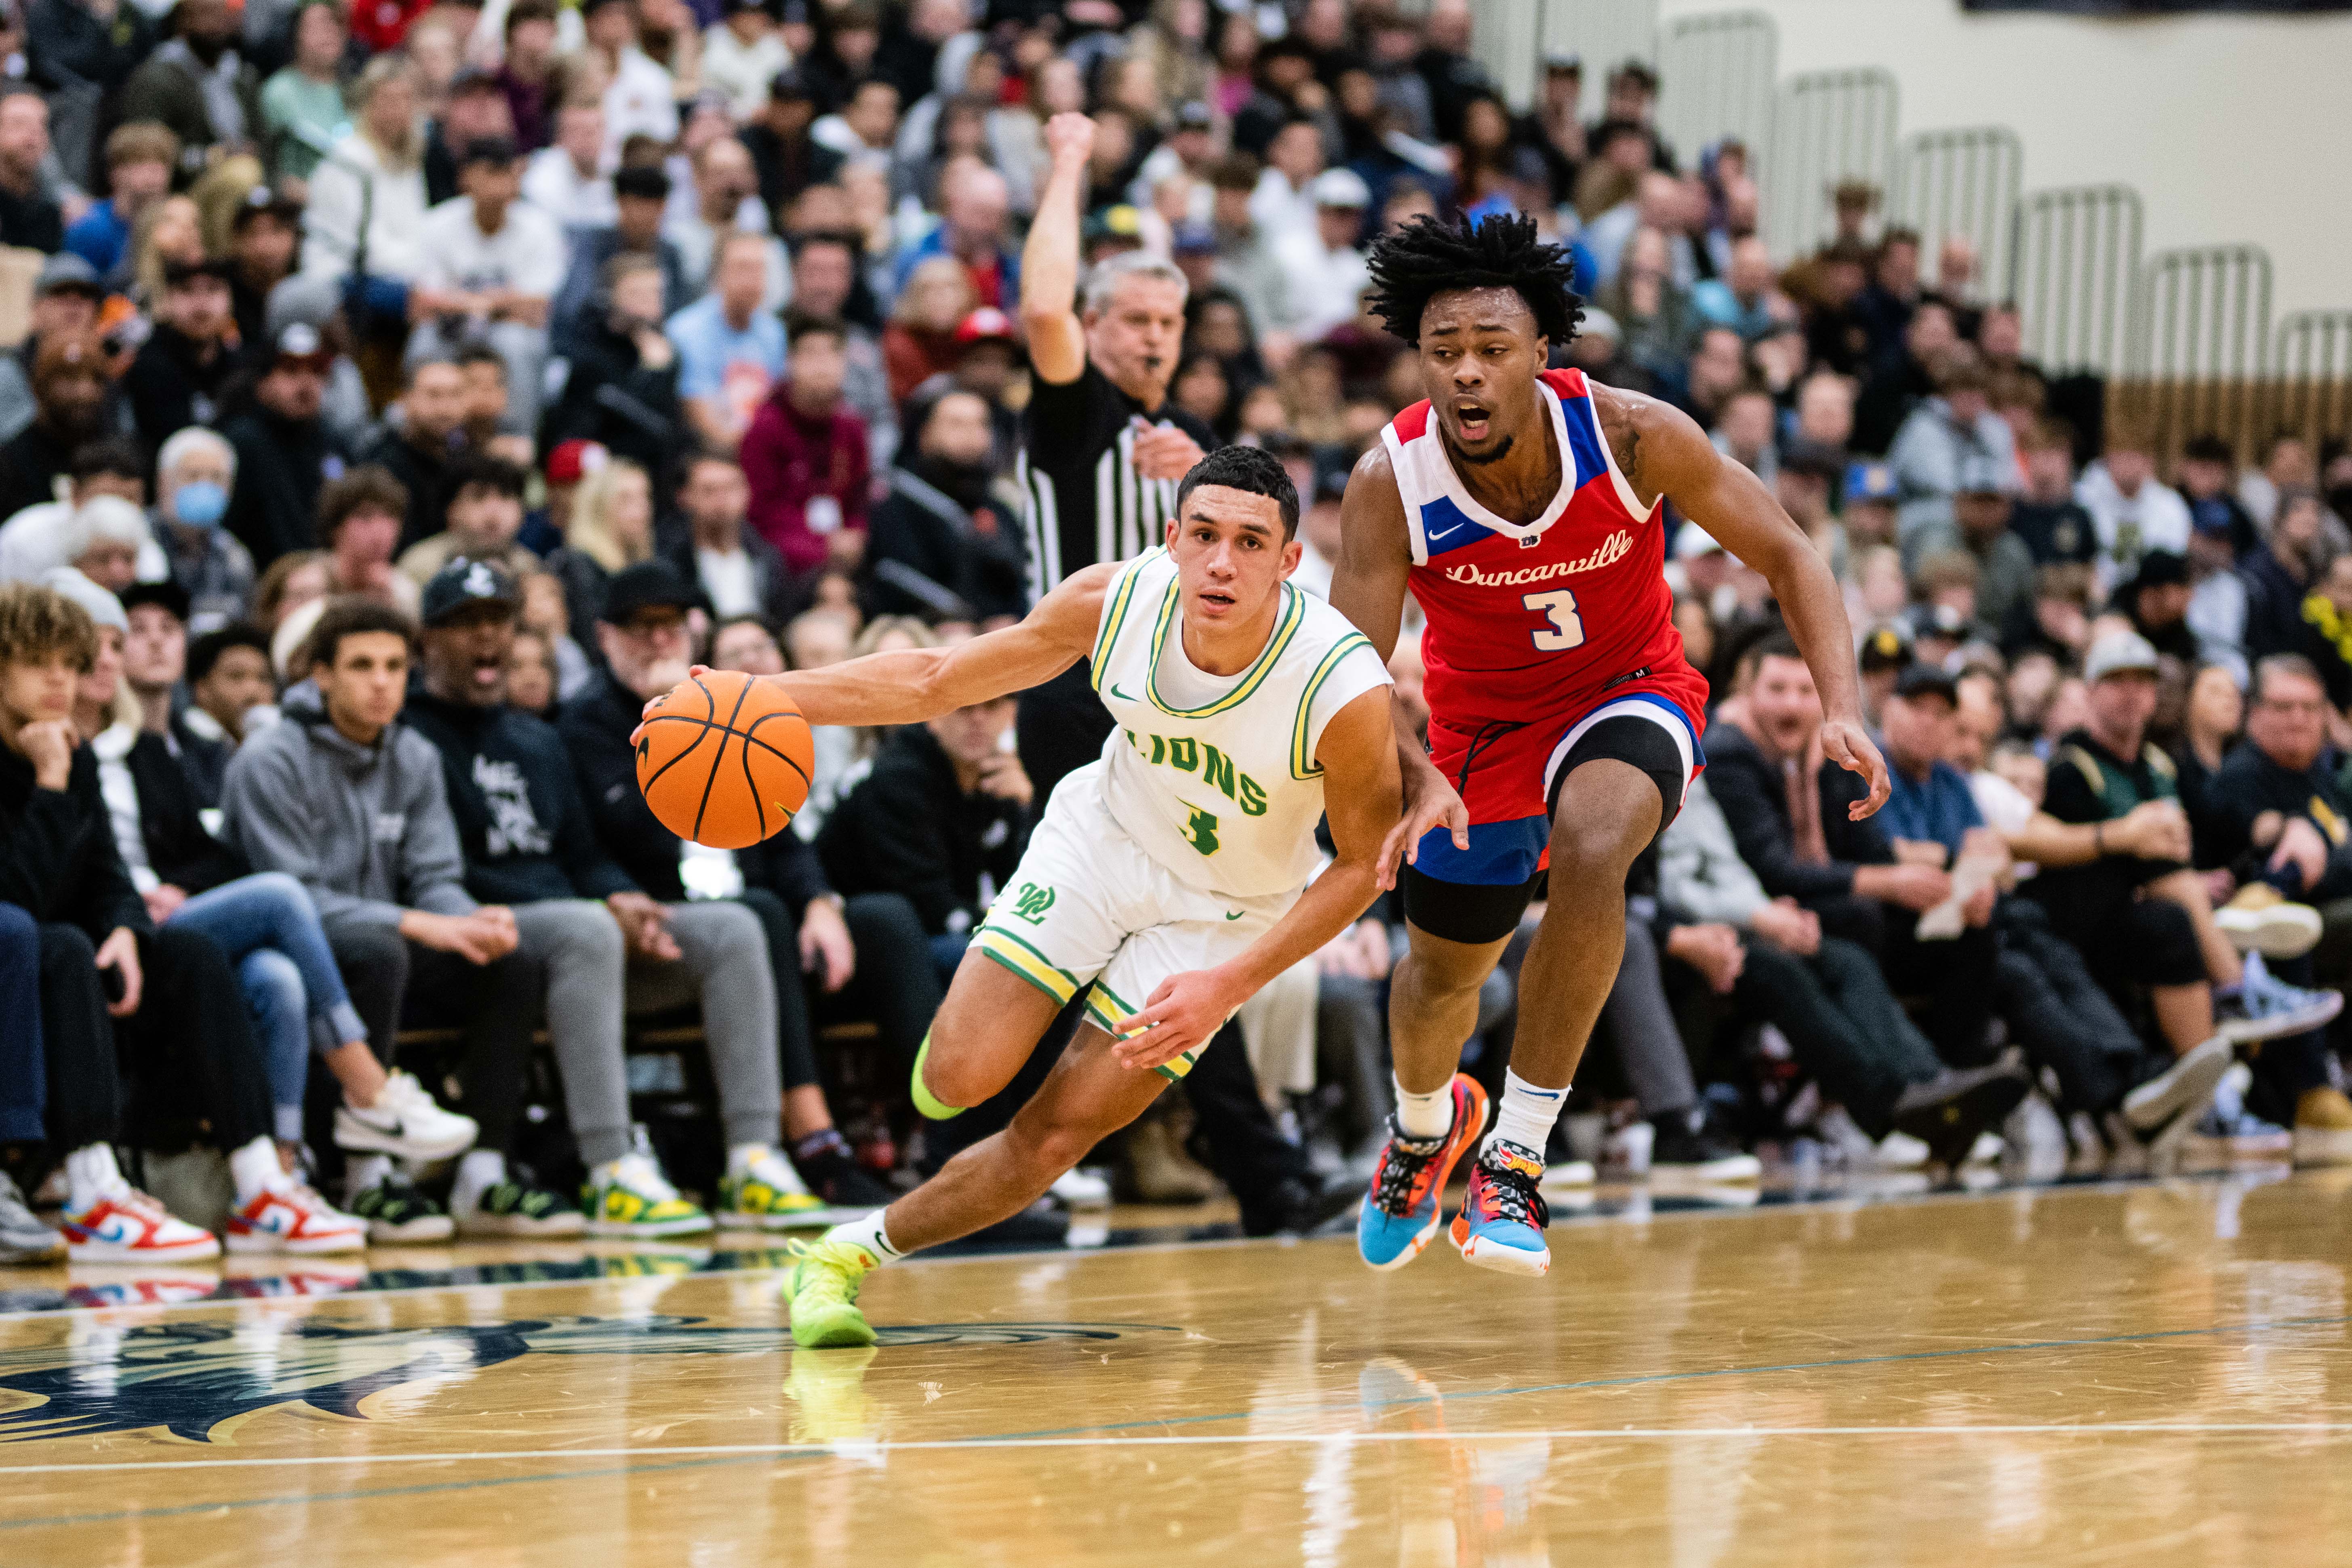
590 979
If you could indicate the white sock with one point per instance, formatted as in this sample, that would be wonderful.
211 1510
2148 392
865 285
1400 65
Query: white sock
867 1233
744 1156
254 1169
1527 1114
91 1174
478 1172
367 1171
1427 1115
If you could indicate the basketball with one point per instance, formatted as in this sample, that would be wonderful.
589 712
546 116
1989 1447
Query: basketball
725 761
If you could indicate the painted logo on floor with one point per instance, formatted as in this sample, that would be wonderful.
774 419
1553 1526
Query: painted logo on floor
192 1379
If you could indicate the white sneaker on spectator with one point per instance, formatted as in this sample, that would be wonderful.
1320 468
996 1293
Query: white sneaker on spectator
2228 1131
2264 1007
287 1217
23 1237
2182 1089
2260 919
1901 1152
404 1121
1080 1189
126 1226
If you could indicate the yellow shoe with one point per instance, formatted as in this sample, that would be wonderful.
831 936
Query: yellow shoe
630 1196
822 1292
766 1195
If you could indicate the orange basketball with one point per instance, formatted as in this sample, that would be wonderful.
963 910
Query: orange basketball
725 760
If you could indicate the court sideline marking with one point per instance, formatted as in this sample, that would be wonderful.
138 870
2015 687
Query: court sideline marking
1076 1436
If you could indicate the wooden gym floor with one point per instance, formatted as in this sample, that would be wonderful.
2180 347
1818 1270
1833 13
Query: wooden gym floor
2147 1374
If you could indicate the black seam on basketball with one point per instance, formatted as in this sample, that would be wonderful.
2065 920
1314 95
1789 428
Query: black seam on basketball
646 788
752 785
710 781
751 738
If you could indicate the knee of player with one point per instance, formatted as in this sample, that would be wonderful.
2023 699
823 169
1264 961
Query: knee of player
950 1081
1584 849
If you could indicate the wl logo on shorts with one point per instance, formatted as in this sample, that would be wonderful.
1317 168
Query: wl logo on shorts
1032 902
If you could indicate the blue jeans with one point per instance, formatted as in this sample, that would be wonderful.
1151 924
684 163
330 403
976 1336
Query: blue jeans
269 929
23 1071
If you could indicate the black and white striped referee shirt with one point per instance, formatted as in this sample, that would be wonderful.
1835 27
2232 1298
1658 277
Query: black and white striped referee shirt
1083 501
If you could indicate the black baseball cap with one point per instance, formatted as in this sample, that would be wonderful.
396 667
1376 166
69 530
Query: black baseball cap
466 582
263 202
1886 646
647 585
167 593
499 150
648 181
1920 679
790 87
178 272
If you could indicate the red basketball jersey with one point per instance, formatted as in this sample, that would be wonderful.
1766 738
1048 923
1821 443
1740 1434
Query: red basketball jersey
1536 622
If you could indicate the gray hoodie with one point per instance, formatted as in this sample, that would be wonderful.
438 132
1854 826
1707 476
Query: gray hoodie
366 829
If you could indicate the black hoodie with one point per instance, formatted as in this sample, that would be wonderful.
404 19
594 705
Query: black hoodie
58 858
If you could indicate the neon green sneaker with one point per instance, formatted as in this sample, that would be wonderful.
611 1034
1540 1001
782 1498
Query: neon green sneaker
822 1292
630 1197
766 1195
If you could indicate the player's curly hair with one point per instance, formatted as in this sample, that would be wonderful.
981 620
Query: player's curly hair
1428 256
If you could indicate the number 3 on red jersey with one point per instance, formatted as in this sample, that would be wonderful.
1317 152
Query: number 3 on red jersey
1565 627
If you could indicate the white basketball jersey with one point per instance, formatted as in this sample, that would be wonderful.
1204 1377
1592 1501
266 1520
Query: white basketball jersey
1214 776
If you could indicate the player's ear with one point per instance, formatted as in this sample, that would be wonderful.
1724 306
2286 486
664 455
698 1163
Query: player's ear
1169 537
1543 348
1292 554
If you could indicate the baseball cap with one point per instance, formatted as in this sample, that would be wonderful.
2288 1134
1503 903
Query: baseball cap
647 585
1118 222
2159 569
178 272
1199 240
1883 647
1599 324
1869 481
1815 459
2118 653
499 150
573 460
1564 62
167 593
66 270
1339 188
1919 679
790 87
986 322
647 182
260 201
299 343
1195 116
465 582
1937 621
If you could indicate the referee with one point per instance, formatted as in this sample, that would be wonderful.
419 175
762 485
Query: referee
1103 449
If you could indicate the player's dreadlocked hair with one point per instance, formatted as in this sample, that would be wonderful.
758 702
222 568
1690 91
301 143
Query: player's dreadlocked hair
1427 257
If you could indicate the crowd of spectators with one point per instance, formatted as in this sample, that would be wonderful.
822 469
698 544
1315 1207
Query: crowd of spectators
410 391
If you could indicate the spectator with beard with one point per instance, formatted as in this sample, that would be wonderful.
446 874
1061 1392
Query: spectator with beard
940 545
71 379
66 298
185 366
283 450
739 573
420 450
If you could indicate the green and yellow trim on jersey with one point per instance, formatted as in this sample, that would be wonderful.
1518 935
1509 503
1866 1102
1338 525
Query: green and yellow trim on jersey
1106 1017
1114 612
1293 613
1003 947
1303 766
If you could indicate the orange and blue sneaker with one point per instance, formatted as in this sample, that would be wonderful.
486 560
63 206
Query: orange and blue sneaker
1408 1197
1502 1223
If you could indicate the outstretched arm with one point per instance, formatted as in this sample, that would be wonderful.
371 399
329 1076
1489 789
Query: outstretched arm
1357 756
1368 586
1049 261
908 685
1672 457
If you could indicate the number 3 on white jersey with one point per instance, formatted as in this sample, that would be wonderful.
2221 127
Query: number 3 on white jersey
1567 628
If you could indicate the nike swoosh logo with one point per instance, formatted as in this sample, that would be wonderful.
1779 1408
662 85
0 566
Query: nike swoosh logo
1236 914
1441 533
1122 696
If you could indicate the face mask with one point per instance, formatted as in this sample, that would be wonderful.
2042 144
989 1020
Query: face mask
200 503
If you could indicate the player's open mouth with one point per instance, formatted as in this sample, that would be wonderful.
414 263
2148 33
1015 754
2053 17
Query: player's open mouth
1216 600
1472 419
